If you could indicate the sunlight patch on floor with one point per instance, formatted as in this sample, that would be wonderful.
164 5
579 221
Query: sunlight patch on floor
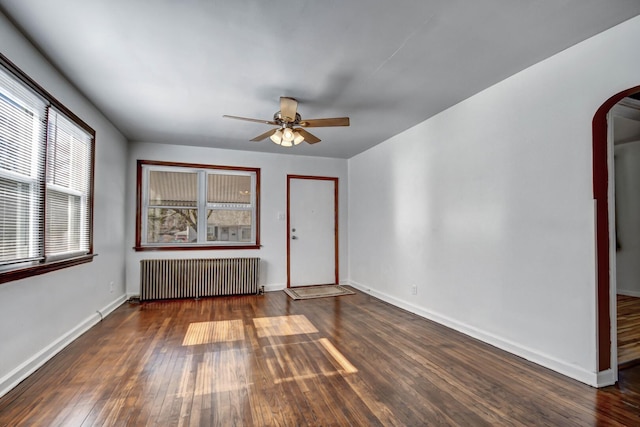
346 366
283 326
306 360
212 332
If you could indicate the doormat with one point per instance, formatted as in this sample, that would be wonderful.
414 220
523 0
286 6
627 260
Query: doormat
318 292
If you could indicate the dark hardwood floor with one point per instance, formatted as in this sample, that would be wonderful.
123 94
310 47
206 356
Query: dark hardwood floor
628 331
271 361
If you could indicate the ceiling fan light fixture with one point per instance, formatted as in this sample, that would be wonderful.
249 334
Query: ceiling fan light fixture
297 138
277 137
287 135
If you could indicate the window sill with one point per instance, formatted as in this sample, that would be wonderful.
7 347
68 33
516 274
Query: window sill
195 248
42 268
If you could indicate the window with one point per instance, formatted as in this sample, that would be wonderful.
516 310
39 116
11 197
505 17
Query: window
187 206
46 163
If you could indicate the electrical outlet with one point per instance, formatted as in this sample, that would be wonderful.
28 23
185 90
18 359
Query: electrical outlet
414 290
111 287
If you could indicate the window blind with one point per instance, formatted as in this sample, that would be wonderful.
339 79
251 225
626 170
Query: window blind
22 158
46 162
68 188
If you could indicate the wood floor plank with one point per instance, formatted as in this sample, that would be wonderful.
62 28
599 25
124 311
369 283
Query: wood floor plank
352 360
628 330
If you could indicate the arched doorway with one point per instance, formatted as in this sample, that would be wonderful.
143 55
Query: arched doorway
601 195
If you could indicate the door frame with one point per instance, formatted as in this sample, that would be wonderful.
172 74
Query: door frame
335 221
604 235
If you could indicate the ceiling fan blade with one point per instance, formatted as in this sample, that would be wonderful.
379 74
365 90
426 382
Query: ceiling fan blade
288 108
266 122
265 135
319 123
310 138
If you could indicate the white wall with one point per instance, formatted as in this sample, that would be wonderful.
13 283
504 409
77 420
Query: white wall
274 169
40 315
488 208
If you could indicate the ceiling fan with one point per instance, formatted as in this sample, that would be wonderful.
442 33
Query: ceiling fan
287 134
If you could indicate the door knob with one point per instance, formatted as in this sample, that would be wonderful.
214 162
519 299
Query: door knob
294 238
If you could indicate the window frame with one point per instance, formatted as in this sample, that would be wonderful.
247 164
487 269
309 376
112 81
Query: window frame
142 210
23 270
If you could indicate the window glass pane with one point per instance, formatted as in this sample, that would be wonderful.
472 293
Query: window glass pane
18 132
68 155
173 188
229 225
64 212
16 226
167 225
229 189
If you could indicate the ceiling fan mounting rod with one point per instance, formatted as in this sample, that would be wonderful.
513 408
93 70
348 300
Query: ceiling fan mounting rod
277 117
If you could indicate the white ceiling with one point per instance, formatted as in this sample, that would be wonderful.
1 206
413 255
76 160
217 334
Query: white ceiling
167 70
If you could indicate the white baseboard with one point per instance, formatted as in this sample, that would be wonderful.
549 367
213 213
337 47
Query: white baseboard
275 287
107 310
572 371
628 293
17 375
606 378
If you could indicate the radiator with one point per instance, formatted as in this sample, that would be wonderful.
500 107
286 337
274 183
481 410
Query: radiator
194 278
